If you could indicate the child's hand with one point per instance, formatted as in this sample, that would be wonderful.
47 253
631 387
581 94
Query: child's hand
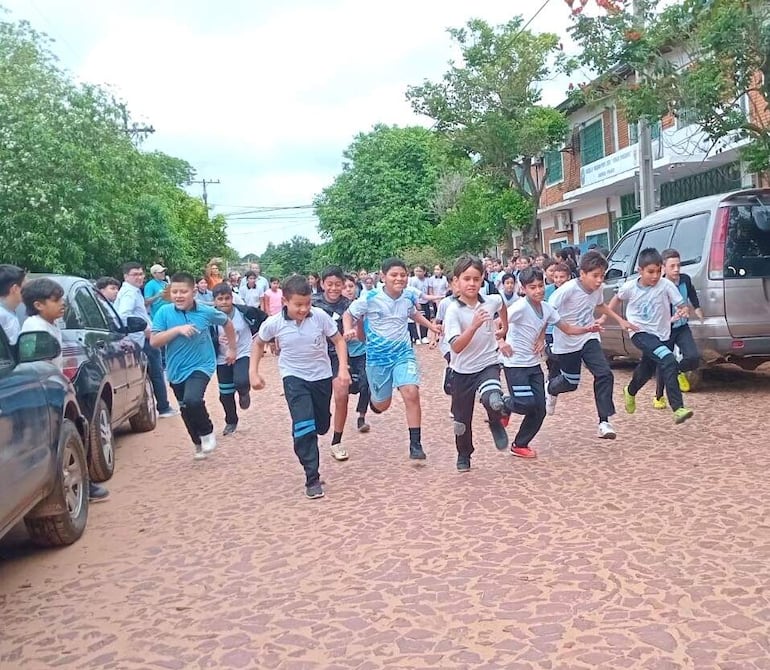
256 381
539 347
629 326
595 327
188 330
349 335
344 377
480 317
231 356
435 328
506 349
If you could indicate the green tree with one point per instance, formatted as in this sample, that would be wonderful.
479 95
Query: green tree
726 50
381 202
294 255
490 106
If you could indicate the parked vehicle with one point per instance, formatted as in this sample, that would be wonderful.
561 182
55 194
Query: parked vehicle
43 469
107 369
724 243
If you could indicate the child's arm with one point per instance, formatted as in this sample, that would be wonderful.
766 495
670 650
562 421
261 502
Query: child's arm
569 329
162 338
609 311
348 327
419 318
502 331
232 353
692 296
459 342
342 355
257 352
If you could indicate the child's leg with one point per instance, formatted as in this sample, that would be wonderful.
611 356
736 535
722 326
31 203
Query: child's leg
358 367
341 395
659 387
682 338
491 392
406 379
656 352
604 380
178 390
413 335
448 373
225 379
426 311
300 401
569 377
241 378
535 414
380 380
551 361
522 399
193 406
321 395
463 399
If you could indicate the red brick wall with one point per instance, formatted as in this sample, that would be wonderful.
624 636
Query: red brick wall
668 121
609 132
623 139
593 223
549 234
758 111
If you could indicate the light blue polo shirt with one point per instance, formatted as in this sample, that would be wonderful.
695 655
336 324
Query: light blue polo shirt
151 289
185 355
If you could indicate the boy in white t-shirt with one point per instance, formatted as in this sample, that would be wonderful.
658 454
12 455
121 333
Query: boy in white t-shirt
438 339
301 332
577 302
470 330
649 301
527 318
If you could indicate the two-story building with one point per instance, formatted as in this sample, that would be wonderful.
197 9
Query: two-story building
591 190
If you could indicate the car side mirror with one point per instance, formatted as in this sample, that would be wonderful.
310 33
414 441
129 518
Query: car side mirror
135 324
38 345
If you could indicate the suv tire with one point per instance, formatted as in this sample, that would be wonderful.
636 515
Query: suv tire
101 462
69 498
147 417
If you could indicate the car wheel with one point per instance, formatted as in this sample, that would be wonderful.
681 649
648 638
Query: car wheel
69 498
147 416
101 462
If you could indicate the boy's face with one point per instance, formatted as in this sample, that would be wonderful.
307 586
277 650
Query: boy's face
395 279
560 277
673 268
469 283
509 285
419 272
182 295
650 274
110 292
50 309
522 263
203 286
297 306
224 302
251 282
593 279
539 261
332 287
498 266
368 282
535 291
350 289
275 285
550 273
13 299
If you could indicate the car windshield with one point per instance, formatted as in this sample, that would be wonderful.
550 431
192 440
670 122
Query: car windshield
747 252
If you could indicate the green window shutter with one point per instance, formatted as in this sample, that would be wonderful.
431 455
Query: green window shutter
554 167
591 143
633 132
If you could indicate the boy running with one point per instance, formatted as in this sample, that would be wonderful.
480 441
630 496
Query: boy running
301 331
11 279
681 335
357 362
390 360
234 378
183 328
576 302
560 274
526 320
649 301
469 328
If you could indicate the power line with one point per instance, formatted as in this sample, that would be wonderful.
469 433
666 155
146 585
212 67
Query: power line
534 16
204 182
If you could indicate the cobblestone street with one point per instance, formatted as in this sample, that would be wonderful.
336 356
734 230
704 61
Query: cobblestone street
652 551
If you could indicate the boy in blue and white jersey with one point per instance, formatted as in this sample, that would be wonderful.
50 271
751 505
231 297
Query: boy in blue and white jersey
390 360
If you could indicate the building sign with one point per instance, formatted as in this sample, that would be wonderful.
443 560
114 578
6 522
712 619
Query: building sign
610 166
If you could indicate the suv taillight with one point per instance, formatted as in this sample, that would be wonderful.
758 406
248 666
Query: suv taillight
718 241
70 362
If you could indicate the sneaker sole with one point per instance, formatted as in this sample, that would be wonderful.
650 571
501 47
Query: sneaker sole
608 436
200 456
683 418
314 496
340 457
364 429
96 501
527 458
462 471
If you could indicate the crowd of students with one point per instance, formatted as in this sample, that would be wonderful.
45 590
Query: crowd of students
339 334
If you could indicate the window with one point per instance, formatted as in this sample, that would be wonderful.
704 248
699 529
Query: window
684 118
656 238
555 245
620 258
633 132
88 313
592 143
690 237
600 238
554 167
747 251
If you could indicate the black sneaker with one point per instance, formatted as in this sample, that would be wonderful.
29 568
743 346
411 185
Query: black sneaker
244 400
96 493
314 491
496 401
361 424
463 463
499 435
416 452
229 428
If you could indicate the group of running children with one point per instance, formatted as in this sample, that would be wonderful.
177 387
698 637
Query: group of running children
336 342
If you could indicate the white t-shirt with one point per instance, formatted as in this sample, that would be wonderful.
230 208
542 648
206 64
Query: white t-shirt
481 351
304 352
9 322
242 338
575 306
525 323
649 307
443 345
251 296
437 285
38 323
421 285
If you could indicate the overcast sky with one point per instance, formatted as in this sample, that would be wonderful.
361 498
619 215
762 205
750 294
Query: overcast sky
265 96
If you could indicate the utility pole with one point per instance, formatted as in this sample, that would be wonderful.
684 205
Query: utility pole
646 177
205 193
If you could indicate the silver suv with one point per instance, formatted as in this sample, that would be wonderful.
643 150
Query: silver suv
724 243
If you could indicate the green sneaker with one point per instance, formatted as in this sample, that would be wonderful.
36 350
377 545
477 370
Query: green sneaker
630 400
682 414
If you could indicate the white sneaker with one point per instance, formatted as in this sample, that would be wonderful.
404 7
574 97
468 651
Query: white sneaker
198 455
606 431
550 404
339 453
425 340
208 443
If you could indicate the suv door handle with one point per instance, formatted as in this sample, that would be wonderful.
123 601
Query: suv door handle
100 344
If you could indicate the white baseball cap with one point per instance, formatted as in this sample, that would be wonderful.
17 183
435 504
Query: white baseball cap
157 268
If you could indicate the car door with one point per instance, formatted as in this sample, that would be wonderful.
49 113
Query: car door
25 455
620 266
104 347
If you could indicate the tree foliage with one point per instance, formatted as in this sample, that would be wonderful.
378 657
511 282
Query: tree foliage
295 255
76 195
490 106
381 202
725 54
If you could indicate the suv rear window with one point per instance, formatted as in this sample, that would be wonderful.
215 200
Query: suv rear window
747 251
